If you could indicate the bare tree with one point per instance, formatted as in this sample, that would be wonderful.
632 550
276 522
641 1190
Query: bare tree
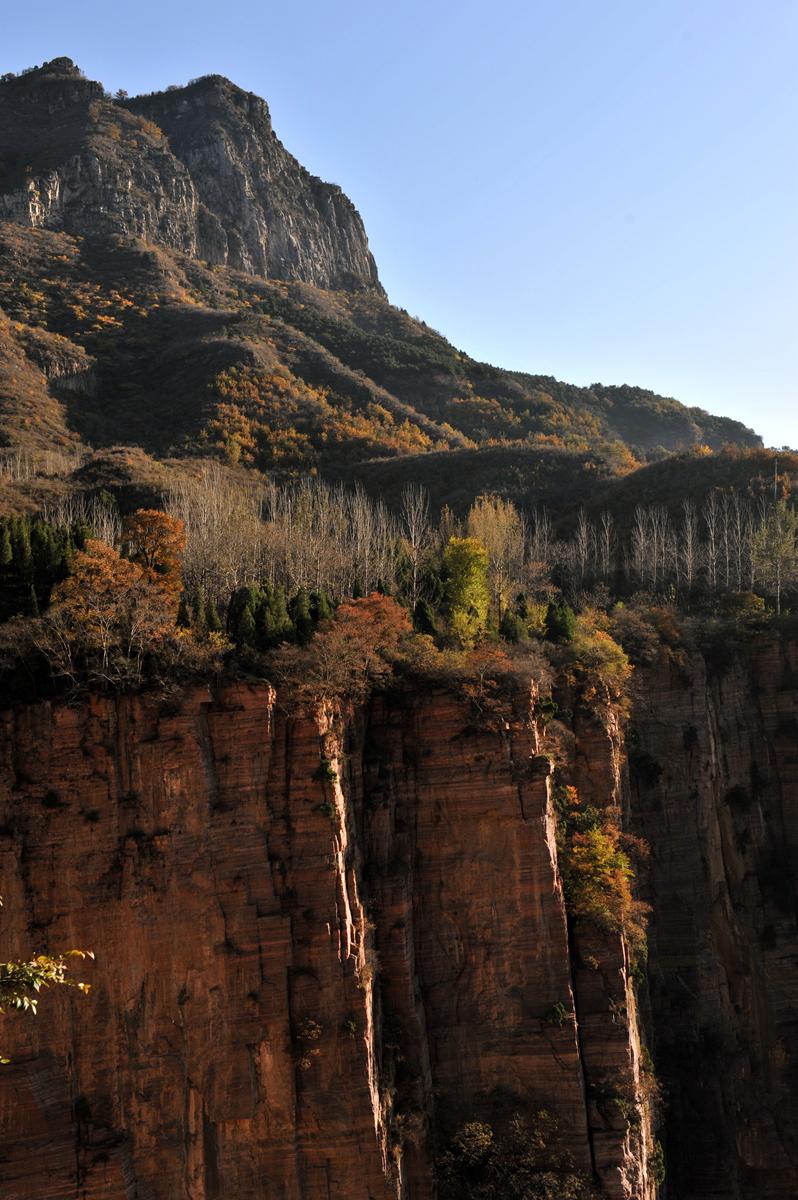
414 526
606 542
689 550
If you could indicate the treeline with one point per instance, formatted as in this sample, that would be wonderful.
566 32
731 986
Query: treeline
232 570
330 539
308 545
727 544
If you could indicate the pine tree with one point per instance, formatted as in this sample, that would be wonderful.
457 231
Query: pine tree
264 623
199 620
246 597
299 611
212 618
22 555
283 625
424 618
246 632
512 628
321 608
560 623
183 613
5 547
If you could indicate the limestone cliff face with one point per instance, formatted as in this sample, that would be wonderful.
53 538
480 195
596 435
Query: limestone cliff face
322 945
196 169
715 792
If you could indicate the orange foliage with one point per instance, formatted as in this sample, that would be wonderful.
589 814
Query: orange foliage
349 654
104 618
267 416
157 542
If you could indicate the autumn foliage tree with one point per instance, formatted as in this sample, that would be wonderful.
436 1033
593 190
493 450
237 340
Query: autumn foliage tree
598 875
156 541
465 564
349 654
22 981
105 617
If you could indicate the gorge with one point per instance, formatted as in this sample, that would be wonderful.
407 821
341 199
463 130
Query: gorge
341 947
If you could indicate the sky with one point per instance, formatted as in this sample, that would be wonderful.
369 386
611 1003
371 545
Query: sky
600 191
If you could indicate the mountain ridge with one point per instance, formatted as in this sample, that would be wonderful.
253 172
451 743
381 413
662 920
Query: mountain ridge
171 278
196 169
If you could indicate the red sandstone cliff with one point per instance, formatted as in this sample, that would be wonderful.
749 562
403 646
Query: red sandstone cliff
322 945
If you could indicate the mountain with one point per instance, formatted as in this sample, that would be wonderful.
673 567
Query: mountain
197 169
171 278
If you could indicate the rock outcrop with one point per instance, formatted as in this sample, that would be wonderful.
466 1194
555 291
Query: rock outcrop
322 946
196 169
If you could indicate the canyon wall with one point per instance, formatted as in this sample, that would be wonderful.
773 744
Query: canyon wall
323 945
714 790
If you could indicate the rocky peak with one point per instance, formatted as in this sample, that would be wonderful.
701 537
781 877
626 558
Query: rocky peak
197 169
260 210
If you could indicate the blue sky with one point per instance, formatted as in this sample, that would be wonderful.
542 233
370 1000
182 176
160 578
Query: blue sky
597 191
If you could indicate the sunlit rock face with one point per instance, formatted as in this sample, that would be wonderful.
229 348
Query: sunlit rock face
197 169
323 945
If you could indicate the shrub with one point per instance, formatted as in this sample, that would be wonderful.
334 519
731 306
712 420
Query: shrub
328 809
638 636
349 654
512 628
598 656
598 876
557 1013
518 1162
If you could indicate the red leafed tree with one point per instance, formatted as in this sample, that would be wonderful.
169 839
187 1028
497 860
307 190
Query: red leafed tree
350 653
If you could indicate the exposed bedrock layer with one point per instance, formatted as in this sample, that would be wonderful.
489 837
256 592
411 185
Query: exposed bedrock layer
322 946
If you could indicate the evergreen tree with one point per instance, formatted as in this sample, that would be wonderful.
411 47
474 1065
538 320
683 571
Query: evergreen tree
424 618
199 620
299 611
512 628
22 555
265 624
560 623
246 632
283 626
212 618
81 532
183 612
246 597
321 608
5 547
